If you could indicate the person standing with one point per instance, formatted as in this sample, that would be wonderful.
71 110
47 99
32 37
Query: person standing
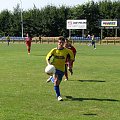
28 41
93 41
8 40
59 56
40 39
69 64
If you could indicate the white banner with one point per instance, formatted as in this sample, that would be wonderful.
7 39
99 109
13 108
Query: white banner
76 24
109 23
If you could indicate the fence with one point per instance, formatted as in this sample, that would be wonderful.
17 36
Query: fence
48 40
13 39
112 40
84 39
55 39
34 39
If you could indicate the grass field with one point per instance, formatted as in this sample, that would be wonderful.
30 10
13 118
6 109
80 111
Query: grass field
92 93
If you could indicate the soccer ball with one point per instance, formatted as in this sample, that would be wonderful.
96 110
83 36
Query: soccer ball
50 69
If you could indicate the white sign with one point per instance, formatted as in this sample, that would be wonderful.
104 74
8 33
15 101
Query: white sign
76 24
108 23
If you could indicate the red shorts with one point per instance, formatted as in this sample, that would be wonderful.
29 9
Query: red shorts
28 43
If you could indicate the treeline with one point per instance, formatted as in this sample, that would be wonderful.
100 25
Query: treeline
51 20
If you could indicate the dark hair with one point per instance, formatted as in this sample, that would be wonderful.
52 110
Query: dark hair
61 38
29 34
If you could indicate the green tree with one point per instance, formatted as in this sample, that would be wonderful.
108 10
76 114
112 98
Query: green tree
5 22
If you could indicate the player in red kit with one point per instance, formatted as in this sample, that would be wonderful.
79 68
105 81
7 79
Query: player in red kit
28 41
69 64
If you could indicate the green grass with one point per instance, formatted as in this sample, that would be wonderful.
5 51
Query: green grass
92 93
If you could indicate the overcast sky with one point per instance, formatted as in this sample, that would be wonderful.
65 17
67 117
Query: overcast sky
28 4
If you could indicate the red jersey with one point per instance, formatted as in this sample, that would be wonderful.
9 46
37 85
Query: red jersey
73 50
68 57
28 39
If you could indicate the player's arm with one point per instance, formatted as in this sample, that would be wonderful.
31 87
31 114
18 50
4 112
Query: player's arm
74 52
31 39
49 55
71 58
70 61
71 55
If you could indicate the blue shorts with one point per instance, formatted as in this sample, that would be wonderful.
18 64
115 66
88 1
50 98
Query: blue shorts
60 74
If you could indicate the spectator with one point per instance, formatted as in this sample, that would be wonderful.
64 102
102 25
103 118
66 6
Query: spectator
8 40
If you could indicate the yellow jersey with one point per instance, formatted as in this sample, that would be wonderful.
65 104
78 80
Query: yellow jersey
8 37
59 57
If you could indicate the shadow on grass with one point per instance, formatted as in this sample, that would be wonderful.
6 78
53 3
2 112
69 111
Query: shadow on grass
96 99
90 114
89 80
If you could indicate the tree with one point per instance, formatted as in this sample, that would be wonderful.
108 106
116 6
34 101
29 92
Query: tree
5 22
51 20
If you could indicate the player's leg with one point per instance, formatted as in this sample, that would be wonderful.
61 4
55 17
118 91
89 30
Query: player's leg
51 78
58 78
29 47
92 43
94 46
8 42
70 65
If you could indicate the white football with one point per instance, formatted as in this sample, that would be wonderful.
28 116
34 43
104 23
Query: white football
50 69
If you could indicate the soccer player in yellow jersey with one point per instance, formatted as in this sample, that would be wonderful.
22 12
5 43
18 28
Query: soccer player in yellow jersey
59 56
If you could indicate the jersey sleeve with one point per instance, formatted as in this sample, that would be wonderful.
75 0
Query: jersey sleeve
49 55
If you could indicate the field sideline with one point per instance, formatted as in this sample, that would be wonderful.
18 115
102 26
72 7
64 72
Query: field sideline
91 93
